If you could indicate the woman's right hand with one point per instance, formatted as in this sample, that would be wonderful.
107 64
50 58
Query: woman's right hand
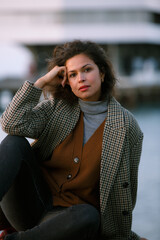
54 77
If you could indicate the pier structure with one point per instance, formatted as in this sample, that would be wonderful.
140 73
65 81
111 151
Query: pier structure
129 31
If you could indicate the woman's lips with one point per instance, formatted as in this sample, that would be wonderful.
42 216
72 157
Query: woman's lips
83 88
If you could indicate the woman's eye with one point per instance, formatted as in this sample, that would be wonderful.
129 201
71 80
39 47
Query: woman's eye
87 69
72 75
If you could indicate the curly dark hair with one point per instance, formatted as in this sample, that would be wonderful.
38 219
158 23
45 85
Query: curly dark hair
92 50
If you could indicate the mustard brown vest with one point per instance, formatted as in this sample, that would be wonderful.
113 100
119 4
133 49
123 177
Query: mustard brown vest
73 172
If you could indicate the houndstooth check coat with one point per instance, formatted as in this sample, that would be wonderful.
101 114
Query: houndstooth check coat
50 121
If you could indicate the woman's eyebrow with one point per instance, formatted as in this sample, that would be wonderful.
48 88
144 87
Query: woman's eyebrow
81 67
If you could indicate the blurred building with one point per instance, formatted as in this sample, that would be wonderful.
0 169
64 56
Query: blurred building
129 30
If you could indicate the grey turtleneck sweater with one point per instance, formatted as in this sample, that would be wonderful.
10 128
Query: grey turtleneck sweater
94 115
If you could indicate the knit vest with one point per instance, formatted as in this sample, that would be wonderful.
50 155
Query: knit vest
73 172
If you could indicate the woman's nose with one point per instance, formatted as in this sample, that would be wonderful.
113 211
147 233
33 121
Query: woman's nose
81 77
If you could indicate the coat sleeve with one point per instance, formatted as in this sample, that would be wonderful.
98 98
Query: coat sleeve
135 140
135 155
134 164
25 116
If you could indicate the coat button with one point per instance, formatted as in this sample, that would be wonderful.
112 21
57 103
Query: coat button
69 176
125 213
125 184
76 160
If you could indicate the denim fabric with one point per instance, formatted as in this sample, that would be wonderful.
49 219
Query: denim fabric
80 222
24 193
27 201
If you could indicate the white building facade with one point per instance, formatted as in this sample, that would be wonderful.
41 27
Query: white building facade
130 30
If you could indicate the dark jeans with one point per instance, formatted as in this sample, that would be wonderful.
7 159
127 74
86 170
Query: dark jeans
27 202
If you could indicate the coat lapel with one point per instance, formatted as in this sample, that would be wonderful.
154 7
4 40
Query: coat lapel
113 139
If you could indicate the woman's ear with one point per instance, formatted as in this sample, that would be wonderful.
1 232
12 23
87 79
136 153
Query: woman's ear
102 77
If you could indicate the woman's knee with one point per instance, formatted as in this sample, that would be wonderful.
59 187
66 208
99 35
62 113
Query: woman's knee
13 140
14 148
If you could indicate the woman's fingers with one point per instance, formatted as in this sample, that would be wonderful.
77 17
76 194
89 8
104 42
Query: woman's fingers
57 76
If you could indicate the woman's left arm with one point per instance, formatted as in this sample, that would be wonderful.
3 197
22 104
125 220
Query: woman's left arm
134 161
135 155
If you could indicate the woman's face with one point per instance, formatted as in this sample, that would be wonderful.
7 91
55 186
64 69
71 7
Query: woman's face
84 77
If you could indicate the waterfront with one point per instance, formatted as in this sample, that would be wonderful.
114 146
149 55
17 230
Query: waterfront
147 211
146 218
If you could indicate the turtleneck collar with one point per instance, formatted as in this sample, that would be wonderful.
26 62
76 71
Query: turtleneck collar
93 107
